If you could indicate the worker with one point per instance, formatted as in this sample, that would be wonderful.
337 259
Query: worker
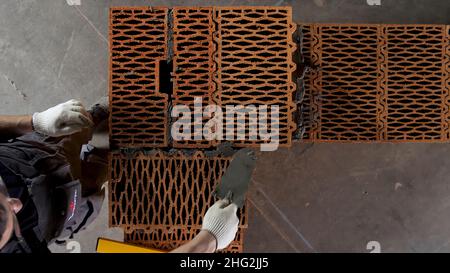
51 181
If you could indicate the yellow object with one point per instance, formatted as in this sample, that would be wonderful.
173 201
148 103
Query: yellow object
111 246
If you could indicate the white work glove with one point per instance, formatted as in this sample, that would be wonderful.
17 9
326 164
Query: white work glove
222 222
63 119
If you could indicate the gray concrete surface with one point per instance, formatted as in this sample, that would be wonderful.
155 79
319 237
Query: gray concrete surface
328 197
332 198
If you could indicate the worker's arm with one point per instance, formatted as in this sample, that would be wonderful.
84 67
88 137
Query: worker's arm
219 228
204 242
11 126
63 119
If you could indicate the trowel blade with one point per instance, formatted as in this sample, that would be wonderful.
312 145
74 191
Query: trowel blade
235 181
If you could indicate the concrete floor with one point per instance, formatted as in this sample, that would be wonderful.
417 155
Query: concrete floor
313 198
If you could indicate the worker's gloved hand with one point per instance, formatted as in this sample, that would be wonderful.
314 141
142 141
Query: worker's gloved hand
63 119
222 222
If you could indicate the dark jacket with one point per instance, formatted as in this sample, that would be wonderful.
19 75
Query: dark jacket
39 176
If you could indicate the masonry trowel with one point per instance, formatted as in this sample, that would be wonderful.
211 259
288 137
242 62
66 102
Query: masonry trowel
235 181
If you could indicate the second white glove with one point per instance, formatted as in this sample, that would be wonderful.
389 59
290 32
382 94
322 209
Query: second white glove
63 119
222 222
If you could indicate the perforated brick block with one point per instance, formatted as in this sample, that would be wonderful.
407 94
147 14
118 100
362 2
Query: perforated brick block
139 111
255 66
164 196
376 83
193 66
